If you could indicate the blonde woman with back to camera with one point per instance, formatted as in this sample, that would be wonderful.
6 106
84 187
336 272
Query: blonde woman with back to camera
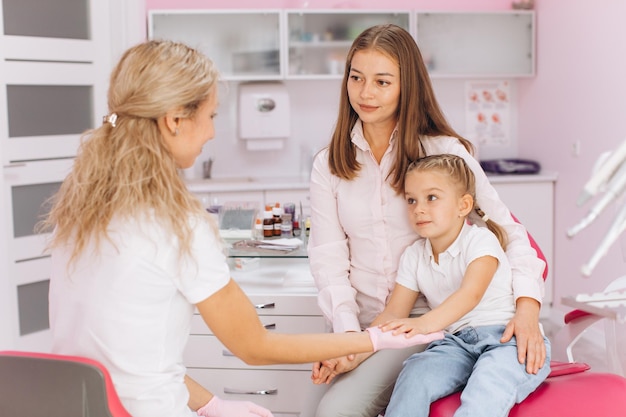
388 116
134 253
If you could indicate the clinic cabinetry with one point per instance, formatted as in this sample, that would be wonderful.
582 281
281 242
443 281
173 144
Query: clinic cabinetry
283 293
473 44
531 199
312 44
54 64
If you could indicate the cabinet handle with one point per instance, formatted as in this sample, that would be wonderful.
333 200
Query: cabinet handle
266 305
271 326
245 392
14 165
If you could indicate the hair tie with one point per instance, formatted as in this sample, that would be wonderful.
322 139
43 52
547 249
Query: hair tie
481 214
110 118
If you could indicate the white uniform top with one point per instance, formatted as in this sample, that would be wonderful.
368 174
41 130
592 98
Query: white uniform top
129 306
418 271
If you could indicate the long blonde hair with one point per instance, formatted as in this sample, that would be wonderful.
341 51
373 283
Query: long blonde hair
418 115
126 170
455 168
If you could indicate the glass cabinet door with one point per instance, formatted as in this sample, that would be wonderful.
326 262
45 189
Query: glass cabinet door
55 63
499 44
45 119
28 186
243 45
318 41
51 18
27 189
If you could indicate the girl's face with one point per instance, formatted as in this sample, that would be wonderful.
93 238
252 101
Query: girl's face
435 206
194 132
374 87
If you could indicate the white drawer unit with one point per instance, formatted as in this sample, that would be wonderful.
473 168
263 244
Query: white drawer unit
284 295
285 393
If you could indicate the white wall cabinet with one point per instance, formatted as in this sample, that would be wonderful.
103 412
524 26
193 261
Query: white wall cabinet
244 45
54 65
531 199
312 44
465 45
318 41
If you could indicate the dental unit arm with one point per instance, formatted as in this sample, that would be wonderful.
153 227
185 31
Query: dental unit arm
610 177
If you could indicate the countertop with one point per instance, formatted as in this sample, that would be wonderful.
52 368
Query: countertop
247 184
541 177
228 184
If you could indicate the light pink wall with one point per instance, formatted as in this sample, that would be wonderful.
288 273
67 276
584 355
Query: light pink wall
332 4
579 94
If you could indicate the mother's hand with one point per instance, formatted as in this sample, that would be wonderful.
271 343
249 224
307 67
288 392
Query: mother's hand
324 372
531 348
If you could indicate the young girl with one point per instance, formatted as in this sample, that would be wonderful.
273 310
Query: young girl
465 276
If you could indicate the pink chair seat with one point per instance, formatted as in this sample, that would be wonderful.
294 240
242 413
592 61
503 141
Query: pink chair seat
33 384
568 391
587 394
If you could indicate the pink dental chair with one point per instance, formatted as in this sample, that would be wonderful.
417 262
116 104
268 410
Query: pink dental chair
43 384
569 390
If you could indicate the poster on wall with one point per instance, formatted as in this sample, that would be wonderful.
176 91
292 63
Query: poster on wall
488 112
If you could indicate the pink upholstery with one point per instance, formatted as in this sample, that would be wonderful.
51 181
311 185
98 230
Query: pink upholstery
585 394
569 391
33 383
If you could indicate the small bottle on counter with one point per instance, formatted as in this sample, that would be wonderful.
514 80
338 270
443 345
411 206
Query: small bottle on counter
277 212
307 226
286 227
296 228
257 232
290 208
268 222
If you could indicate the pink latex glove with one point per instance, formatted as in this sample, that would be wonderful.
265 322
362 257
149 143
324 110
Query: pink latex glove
224 408
386 340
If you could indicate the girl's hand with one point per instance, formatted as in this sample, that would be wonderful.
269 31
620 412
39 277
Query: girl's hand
409 326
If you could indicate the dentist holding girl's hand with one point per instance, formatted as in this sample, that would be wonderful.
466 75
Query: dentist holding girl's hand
133 252
389 116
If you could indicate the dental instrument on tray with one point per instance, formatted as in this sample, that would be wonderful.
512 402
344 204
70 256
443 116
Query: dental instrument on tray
603 299
609 176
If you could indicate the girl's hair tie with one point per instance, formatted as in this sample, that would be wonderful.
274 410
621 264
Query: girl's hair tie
482 214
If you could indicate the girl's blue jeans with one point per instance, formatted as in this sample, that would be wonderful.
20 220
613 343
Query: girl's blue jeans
472 360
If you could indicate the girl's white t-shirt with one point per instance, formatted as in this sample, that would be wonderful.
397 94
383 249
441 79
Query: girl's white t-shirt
128 304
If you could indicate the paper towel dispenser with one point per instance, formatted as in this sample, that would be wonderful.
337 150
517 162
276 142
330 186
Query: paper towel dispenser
264 115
